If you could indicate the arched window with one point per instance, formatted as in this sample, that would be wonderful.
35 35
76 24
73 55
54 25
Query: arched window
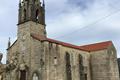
23 75
80 61
35 76
81 67
37 15
25 14
34 1
55 61
83 75
68 67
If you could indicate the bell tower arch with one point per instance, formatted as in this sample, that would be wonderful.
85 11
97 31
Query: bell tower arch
31 10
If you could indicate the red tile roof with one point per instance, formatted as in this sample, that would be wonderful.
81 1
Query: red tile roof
97 46
42 38
89 48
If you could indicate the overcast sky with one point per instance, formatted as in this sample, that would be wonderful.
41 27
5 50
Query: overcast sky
75 21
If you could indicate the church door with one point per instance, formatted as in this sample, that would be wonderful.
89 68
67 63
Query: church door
22 75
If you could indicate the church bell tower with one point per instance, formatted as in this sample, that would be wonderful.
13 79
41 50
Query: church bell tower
31 17
31 10
31 20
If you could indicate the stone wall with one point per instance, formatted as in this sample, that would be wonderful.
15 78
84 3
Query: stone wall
47 60
52 70
104 65
2 71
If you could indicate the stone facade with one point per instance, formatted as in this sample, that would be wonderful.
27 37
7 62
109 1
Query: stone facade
119 65
104 65
33 56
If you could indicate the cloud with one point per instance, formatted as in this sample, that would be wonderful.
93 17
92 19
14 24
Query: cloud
66 20
98 21
83 4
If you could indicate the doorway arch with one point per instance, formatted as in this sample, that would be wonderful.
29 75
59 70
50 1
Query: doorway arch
23 74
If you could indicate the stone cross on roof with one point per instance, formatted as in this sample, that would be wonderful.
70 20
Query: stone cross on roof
1 55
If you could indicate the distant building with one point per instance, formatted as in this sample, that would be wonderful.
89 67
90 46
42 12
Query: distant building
34 56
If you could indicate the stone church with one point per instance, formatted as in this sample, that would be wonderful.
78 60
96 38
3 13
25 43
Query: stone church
34 56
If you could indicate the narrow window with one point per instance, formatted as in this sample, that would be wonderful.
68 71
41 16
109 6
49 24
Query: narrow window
37 17
81 70
55 60
22 75
24 14
68 67
41 62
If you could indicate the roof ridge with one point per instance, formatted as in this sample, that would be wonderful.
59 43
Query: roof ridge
55 41
45 38
96 46
96 43
88 48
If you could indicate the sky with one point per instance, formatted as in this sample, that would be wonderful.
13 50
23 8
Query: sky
75 21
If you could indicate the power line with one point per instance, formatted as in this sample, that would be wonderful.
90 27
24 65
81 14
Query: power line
97 21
